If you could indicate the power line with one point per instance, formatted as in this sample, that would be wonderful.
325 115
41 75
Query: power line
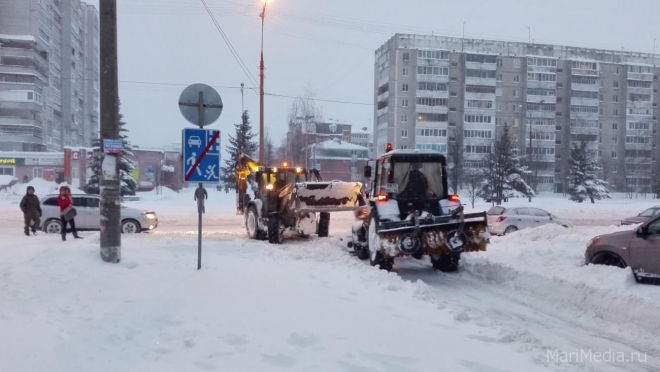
231 47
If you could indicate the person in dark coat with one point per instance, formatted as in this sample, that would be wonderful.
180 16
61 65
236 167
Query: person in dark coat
65 202
31 208
200 196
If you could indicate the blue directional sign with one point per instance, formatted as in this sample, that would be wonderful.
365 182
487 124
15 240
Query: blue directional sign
201 155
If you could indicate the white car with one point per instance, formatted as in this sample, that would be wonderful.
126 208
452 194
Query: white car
194 141
503 220
88 208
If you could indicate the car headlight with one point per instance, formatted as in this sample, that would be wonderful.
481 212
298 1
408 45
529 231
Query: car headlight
150 216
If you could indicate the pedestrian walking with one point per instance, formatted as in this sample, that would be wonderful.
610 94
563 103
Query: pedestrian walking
67 212
200 196
31 211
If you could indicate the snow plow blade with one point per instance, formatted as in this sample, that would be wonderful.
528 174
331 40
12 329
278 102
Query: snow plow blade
335 196
437 235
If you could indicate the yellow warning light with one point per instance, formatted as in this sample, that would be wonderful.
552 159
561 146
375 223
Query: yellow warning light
298 169
269 186
285 165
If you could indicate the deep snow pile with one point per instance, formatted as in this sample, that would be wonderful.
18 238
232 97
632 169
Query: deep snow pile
548 261
251 308
41 188
6 180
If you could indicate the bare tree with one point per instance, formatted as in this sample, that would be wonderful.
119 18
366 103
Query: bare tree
269 150
456 153
303 114
472 181
606 163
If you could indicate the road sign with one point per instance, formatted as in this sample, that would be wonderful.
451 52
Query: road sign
113 146
201 155
200 104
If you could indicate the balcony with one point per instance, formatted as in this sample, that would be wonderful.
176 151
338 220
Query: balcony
24 71
480 81
432 109
540 114
434 78
435 94
590 131
585 87
537 99
533 84
481 66
640 77
10 120
577 71
21 105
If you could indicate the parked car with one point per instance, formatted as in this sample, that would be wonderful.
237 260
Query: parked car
89 215
642 217
505 220
638 249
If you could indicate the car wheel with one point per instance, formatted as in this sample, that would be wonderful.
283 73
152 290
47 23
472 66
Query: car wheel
510 229
130 227
608 259
53 227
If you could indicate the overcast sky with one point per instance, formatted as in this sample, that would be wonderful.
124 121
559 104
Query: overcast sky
327 45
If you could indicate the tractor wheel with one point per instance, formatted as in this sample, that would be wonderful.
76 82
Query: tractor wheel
274 233
324 225
375 256
252 224
446 263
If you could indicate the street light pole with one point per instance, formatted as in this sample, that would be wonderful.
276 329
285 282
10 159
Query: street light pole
261 87
110 187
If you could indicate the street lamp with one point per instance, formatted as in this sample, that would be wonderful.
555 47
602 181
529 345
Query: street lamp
261 85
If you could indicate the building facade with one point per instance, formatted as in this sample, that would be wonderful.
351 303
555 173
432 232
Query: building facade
49 71
339 160
431 92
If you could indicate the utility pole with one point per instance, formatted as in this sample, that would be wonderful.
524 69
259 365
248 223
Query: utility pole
109 177
261 88
242 101
529 31
463 38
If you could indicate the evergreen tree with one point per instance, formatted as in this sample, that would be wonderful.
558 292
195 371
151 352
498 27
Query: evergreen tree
503 177
242 142
582 181
126 165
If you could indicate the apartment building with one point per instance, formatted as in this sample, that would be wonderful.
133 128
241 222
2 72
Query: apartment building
49 63
429 90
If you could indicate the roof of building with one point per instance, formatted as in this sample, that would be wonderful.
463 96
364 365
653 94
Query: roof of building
340 145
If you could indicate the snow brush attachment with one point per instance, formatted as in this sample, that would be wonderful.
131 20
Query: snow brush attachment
335 196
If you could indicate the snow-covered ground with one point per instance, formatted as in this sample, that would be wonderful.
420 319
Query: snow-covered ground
309 305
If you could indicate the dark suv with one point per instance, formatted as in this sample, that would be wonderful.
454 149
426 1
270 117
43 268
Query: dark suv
638 248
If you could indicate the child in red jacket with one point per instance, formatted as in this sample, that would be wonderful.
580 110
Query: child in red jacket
65 201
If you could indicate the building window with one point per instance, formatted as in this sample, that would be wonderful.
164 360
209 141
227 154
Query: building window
515 93
516 63
404 134
423 101
404 87
616 70
499 107
499 77
429 70
515 108
37 173
498 92
615 126
7 171
406 56
404 118
601 97
615 112
404 103
615 98
405 72
615 140
478 119
516 122
432 117
616 85
499 62
560 85
453 94
516 78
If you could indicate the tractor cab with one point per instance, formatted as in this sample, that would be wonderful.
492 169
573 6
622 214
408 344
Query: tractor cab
413 180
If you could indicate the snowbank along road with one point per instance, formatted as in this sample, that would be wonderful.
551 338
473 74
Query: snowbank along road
527 304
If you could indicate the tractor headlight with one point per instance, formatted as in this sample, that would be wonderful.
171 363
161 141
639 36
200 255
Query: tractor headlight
269 187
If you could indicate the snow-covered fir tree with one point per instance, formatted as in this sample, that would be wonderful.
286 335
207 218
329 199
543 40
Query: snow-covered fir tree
126 165
503 177
582 181
242 142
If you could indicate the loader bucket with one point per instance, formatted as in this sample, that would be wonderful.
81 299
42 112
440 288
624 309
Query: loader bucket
333 196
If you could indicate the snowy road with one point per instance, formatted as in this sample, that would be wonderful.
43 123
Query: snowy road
527 304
